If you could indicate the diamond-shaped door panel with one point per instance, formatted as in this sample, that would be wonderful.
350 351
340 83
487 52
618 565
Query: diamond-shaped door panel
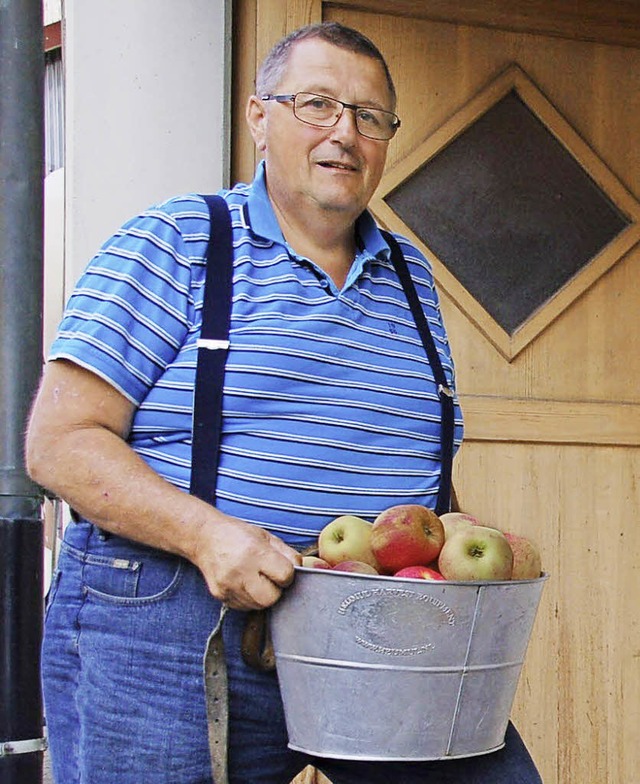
518 214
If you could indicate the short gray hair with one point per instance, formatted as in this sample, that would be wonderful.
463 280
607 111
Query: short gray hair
272 70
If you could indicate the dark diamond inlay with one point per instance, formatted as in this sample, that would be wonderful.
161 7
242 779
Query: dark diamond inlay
509 211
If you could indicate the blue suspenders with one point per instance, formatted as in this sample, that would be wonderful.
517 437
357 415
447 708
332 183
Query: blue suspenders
213 347
443 504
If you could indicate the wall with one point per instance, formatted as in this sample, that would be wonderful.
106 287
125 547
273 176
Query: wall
146 111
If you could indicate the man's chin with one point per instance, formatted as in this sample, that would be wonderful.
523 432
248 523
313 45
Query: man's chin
341 202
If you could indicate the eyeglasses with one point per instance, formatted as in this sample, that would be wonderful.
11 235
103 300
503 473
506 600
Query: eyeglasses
325 112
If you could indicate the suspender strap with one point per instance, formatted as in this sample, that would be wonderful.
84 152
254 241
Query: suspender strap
213 347
444 392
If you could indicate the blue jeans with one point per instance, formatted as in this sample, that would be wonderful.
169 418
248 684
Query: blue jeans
125 631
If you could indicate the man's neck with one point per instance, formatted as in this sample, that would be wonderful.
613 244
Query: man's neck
328 240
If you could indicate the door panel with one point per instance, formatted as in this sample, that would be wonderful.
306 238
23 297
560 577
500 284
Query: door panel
552 446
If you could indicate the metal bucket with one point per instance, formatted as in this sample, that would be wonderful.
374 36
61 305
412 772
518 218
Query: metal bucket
385 668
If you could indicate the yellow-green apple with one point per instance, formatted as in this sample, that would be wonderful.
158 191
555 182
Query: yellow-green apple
476 553
454 521
354 566
347 538
420 573
313 562
527 562
406 535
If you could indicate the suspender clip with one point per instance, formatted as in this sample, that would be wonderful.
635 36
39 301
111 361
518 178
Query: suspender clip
212 344
11 747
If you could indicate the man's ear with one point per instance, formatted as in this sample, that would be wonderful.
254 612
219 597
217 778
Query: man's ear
257 122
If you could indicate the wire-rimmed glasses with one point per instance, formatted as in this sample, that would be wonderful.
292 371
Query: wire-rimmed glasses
325 112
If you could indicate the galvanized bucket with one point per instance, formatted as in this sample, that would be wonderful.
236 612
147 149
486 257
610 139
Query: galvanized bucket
385 668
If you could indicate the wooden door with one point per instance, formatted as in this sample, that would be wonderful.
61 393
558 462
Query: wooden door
548 381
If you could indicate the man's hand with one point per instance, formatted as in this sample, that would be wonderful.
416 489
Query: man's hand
244 566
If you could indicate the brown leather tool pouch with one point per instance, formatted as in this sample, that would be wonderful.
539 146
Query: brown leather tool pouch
256 647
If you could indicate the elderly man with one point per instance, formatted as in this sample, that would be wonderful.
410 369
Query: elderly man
329 406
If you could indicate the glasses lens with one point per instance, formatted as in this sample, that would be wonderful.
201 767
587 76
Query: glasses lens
324 112
376 123
316 109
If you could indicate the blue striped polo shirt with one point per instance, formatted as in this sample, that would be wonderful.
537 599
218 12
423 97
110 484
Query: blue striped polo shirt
330 406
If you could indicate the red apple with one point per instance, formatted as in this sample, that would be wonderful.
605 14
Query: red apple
406 535
420 573
347 538
527 563
313 562
354 566
454 521
476 553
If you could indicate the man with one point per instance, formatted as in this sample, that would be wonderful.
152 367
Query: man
330 407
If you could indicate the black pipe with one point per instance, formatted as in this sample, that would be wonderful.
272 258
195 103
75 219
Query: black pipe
21 294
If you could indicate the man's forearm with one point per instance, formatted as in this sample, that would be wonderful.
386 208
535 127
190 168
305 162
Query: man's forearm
105 481
76 447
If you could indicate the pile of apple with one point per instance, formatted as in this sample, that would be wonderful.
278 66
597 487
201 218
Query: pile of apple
412 541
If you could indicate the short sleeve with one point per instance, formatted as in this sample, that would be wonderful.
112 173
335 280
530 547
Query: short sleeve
133 306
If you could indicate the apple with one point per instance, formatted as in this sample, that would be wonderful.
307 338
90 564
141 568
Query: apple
347 538
420 573
454 521
527 562
354 566
406 535
313 562
476 553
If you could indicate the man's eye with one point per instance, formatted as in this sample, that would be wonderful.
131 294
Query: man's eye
369 118
318 103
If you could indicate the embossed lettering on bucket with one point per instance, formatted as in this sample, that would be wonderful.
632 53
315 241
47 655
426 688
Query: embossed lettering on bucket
377 668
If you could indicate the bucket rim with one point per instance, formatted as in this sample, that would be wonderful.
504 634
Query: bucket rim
419 580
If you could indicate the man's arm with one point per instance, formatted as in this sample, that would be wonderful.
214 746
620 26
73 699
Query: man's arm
76 448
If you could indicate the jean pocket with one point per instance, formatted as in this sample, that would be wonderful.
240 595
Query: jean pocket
52 591
129 581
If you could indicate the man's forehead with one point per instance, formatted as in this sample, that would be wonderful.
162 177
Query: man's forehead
316 65
310 50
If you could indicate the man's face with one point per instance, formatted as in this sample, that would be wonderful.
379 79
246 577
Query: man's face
331 169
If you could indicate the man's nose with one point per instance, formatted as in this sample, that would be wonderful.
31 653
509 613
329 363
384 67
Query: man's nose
346 129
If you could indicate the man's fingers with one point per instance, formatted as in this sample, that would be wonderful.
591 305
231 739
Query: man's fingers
288 552
253 573
258 593
278 567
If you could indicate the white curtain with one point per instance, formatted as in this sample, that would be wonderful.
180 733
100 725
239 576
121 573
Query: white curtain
54 111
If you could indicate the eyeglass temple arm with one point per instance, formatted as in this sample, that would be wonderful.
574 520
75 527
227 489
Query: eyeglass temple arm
278 98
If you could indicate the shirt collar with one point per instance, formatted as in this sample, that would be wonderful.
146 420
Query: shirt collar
263 221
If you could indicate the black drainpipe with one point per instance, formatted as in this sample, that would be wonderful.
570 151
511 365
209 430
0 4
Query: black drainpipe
21 292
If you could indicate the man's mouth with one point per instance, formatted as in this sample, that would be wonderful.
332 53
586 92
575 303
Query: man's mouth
338 165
